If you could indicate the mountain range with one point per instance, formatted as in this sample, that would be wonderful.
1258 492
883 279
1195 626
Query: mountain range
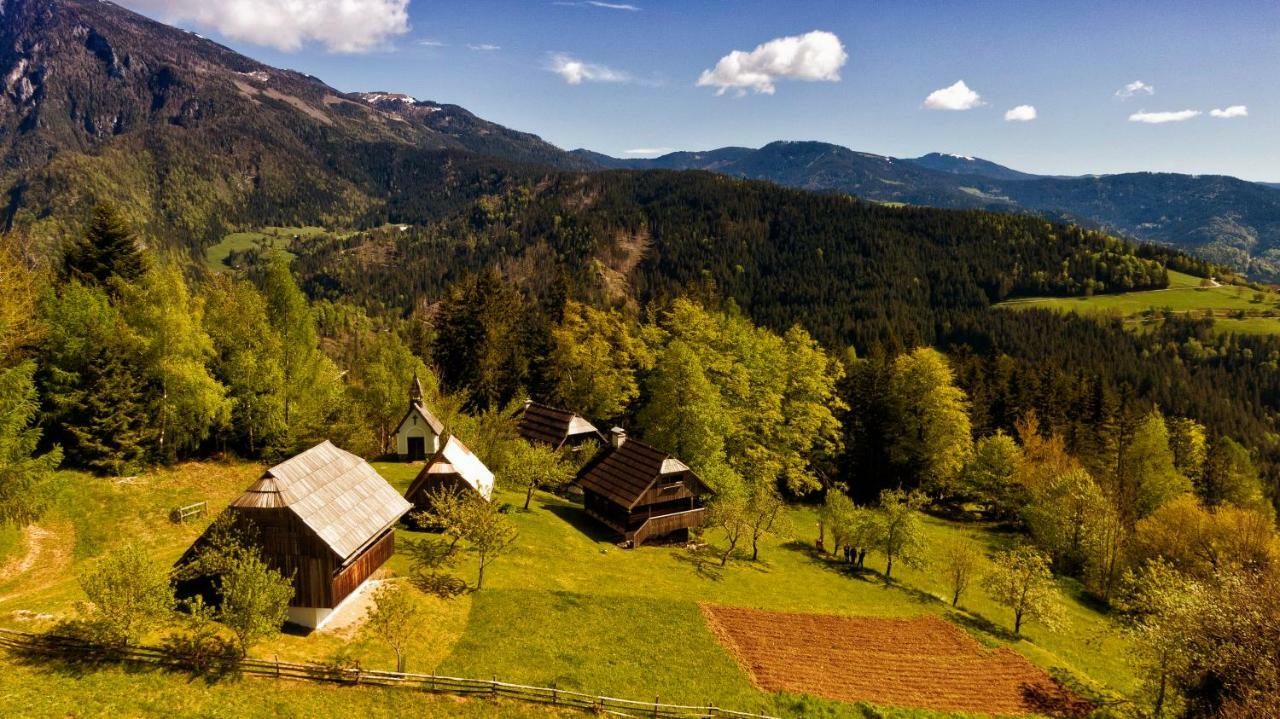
193 139
1226 220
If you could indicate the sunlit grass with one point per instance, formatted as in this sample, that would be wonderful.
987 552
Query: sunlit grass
566 607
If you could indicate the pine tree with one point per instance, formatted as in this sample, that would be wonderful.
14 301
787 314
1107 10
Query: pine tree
111 435
107 250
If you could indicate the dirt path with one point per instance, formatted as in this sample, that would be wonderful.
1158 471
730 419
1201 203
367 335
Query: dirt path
33 538
45 562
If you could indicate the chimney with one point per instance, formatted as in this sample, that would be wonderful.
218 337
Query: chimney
617 436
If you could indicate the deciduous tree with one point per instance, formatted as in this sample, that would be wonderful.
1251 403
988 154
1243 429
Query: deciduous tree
255 600
930 434
901 531
393 618
1021 580
129 594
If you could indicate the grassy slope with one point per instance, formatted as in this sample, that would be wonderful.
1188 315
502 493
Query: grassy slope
277 237
565 608
1184 294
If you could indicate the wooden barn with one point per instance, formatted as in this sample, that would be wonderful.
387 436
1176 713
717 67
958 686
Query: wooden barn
454 467
326 517
641 492
556 428
419 432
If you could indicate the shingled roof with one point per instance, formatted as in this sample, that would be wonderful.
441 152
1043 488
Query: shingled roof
549 425
455 459
336 494
624 474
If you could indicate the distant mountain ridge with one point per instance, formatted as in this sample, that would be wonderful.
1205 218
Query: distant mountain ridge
1229 221
188 137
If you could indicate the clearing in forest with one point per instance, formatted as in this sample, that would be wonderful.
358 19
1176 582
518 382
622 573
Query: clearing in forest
924 663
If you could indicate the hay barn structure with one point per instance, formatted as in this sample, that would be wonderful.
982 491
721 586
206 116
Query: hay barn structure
419 432
325 517
454 468
556 428
641 492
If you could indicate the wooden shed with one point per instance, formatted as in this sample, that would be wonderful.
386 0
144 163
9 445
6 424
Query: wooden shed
325 517
556 428
641 492
419 432
454 467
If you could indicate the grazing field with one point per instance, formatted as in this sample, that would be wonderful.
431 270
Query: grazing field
565 608
215 256
1234 308
922 662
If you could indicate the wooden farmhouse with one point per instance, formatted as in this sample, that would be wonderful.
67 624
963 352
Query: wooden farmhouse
419 432
453 468
325 517
641 492
556 428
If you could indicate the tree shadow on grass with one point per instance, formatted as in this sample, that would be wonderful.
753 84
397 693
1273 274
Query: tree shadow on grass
980 626
866 574
79 664
705 564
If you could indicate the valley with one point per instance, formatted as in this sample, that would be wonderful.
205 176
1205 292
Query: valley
302 383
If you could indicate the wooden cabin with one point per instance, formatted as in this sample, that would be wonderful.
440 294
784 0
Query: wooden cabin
454 468
325 517
556 428
419 432
641 492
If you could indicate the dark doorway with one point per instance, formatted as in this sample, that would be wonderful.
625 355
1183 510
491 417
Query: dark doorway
417 448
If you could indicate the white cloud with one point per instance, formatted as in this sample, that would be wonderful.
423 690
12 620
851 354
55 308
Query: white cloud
339 25
812 57
649 151
1159 118
956 97
432 43
1230 112
1021 113
1137 87
576 72
627 7
483 47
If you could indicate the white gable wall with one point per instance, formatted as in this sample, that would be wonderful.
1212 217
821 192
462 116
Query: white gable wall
415 426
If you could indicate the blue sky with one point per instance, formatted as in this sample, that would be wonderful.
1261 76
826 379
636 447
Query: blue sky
637 68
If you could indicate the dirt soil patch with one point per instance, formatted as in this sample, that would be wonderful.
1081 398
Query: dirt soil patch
923 662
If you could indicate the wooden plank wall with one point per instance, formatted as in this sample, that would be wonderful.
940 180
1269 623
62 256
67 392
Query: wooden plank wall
359 569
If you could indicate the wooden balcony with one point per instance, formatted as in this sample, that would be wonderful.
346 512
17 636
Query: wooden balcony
661 524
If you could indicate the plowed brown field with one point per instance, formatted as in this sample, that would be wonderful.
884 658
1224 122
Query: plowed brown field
924 663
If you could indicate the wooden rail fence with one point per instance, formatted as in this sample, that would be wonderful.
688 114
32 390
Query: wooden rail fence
191 511
78 649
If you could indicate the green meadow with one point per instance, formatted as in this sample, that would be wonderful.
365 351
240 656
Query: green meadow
1235 308
276 238
565 608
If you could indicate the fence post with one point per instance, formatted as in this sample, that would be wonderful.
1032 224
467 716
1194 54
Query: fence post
433 682
555 699
655 707
277 666
493 687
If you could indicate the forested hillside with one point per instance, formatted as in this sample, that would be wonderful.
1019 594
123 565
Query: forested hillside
1223 219
189 138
